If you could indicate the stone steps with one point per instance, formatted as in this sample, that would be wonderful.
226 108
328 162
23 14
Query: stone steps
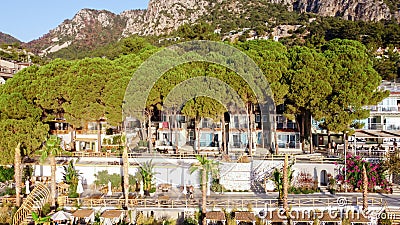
324 190
396 190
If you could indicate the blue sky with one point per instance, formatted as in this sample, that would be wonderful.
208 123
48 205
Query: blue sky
30 19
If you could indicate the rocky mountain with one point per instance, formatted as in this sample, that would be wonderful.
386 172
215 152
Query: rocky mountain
8 39
88 29
166 15
367 10
91 28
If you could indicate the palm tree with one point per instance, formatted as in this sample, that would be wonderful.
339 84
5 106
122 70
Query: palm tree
365 188
52 149
71 177
285 184
18 177
278 179
205 166
147 173
40 220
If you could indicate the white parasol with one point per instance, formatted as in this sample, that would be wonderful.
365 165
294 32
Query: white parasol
184 189
109 192
60 216
79 188
141 192
27 191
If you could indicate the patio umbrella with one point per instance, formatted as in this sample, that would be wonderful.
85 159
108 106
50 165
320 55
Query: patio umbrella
208 189
141 191
27 191
109 188
184 189
79 188
60 216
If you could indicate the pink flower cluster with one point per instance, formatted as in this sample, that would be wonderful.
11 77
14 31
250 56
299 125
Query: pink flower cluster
375 173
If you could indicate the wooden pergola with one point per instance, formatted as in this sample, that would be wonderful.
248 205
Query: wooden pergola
112 216
84 214
215 217
245 217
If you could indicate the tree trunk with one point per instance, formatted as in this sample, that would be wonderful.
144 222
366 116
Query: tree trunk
365 189
126 175
250 126
17 176
150 144
285 184
329 141
98 137
198 136
204 195
143 127
176 133
53 179
276 143
309 129
302 136
225 150
345 141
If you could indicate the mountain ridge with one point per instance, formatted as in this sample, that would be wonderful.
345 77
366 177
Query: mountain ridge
8 39
90 28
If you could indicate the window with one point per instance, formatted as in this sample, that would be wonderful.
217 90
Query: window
236 121
236 141
288 140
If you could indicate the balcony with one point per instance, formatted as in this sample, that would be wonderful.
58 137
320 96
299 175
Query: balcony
385 109
83 132
379 126
290 145
287 125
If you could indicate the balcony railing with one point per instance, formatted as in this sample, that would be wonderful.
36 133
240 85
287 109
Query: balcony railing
89 131
379 126
291 145
289 125
385 109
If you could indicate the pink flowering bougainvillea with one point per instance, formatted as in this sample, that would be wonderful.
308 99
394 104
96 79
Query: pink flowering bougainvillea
376 174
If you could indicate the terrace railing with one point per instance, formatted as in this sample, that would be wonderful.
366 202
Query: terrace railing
216 203
211 155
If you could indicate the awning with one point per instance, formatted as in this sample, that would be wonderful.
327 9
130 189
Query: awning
376 134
